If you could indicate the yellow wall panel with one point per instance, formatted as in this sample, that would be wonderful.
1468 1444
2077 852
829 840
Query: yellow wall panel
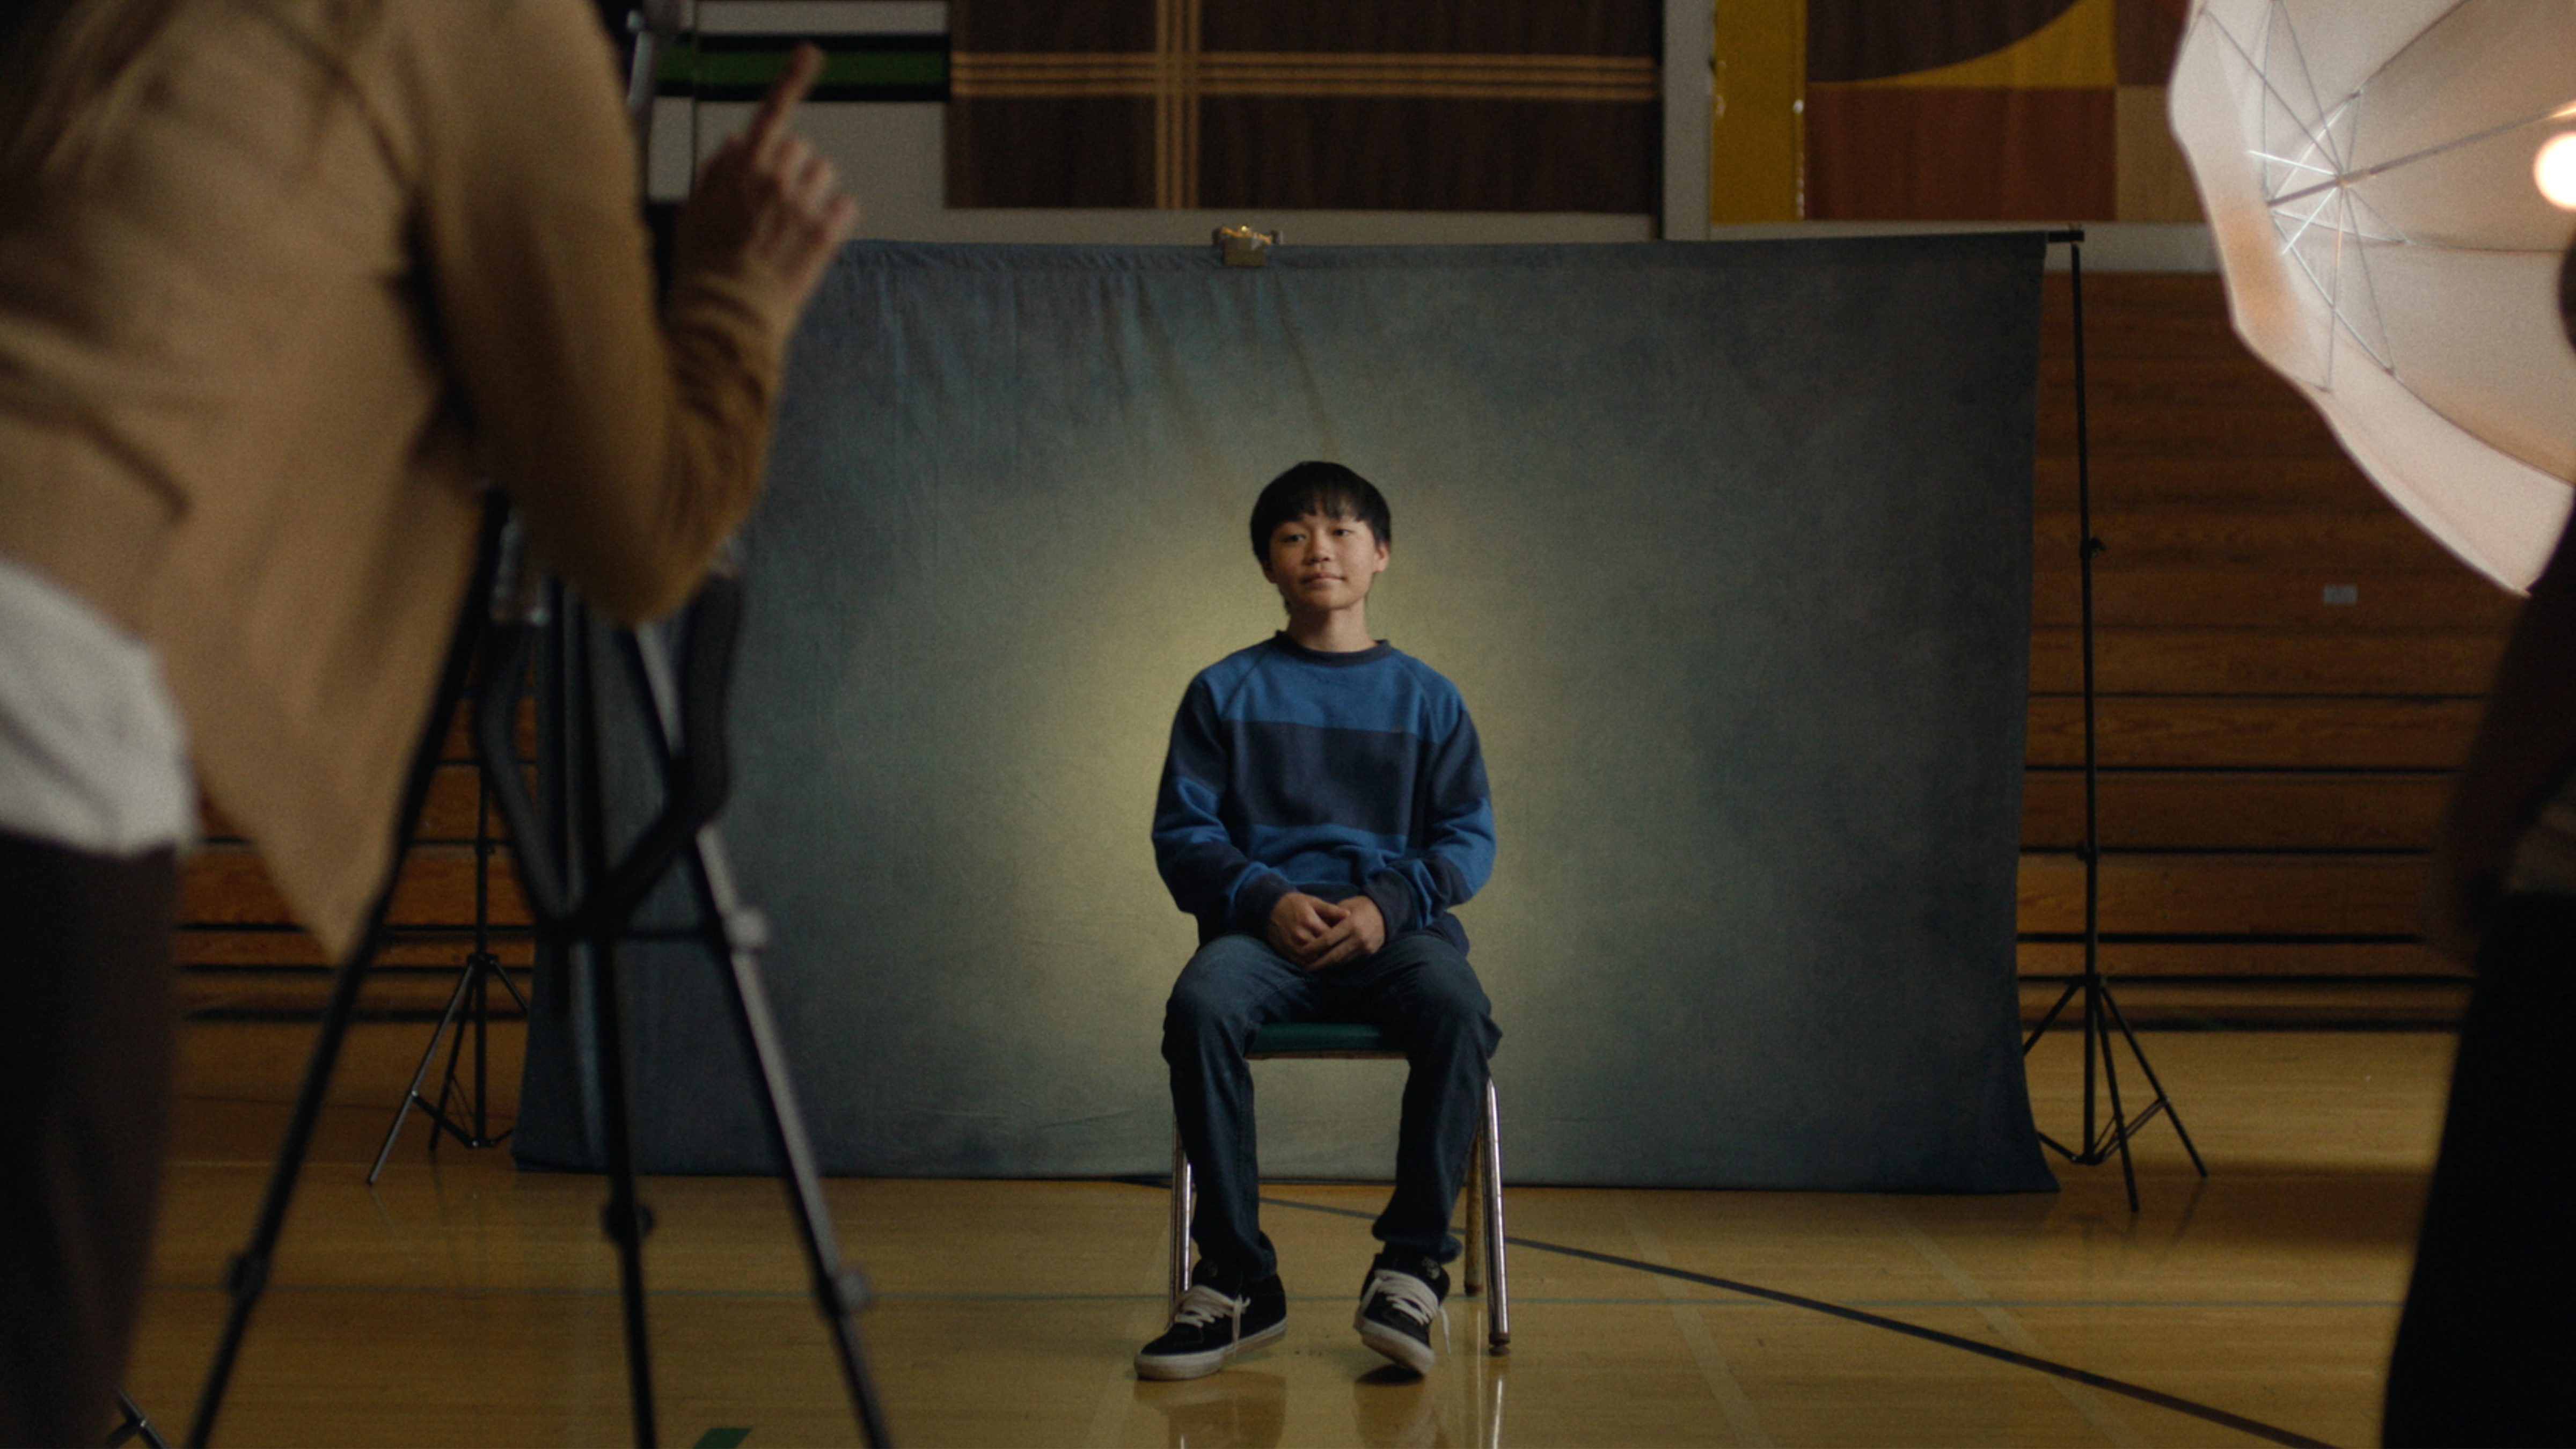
1756 154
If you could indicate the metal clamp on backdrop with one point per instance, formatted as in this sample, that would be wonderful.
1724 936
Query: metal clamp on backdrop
1241 246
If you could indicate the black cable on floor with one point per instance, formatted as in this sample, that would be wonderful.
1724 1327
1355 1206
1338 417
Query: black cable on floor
2087 1377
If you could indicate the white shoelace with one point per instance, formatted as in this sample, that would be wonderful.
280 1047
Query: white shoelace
1203 1304
1410 1295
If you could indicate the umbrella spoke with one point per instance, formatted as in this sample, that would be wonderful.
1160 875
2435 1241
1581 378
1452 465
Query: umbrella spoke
2558 113
2289 107
2294 163
2280 33
2290 239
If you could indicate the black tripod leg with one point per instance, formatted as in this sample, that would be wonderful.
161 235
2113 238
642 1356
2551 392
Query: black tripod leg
420 1074
2148 1067
448 1087
625 1217
2032 1040
134 1425
247 1275
2117 1129
839 1291
2050 1019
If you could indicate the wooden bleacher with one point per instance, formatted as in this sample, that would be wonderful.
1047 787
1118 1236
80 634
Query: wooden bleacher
2272 763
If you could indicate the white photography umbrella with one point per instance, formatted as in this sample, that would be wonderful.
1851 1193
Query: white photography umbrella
2367 169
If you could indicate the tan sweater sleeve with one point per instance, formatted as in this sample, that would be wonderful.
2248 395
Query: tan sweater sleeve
632 444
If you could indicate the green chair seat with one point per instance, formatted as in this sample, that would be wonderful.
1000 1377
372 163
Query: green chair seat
1319 1036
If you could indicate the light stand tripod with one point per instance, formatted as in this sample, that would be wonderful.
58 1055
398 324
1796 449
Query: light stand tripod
686 705
583 908
2104 1134
470 1000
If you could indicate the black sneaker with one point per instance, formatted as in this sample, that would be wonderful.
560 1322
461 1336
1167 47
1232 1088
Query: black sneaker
1210 1328
1397 1303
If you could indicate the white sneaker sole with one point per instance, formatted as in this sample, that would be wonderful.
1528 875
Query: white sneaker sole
1199 1365
1395 1344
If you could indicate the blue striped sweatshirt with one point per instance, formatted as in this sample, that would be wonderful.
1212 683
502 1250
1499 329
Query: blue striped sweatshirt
1332 774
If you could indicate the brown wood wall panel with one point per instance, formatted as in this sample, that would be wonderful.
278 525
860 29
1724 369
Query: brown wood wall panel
2244 959
459 743
2256 733
1927 153
2452 600
2235 381
302 992
2118 337
226 885
2252 810
2275 762
2212 432
2234 895
2139 482
220 946
2247 538
449 813
2265 661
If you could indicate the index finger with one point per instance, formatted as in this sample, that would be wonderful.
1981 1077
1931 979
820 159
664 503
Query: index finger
804 67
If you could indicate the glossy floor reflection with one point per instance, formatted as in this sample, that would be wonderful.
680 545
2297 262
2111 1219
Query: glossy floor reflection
460 1302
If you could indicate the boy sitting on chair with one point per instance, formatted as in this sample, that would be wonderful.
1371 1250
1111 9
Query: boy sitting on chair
1323 807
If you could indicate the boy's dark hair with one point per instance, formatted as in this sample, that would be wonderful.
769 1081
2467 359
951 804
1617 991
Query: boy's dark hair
1326 488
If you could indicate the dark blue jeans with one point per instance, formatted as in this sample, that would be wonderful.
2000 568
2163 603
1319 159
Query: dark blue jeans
1419 989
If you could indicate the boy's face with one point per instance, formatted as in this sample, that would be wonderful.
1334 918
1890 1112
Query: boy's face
1320 563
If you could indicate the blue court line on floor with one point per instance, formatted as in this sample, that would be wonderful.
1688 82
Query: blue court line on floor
2086 1377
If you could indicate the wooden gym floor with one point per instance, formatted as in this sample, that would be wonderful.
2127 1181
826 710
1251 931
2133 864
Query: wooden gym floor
460 1302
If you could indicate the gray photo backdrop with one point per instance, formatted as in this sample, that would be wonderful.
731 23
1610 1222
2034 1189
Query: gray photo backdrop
1727 546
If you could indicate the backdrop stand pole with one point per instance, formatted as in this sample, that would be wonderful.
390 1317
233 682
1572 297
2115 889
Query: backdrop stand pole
2103 1134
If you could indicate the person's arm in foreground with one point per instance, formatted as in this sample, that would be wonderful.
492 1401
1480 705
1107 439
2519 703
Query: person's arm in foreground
2525 745
632 443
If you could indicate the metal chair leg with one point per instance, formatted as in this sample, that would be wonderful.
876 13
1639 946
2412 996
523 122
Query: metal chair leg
1181 1205
1498 1301
1472 1197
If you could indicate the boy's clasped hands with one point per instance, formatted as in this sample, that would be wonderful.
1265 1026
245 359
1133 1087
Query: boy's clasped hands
1319 934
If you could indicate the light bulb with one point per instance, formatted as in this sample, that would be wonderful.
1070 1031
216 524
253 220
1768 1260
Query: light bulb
2553 170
